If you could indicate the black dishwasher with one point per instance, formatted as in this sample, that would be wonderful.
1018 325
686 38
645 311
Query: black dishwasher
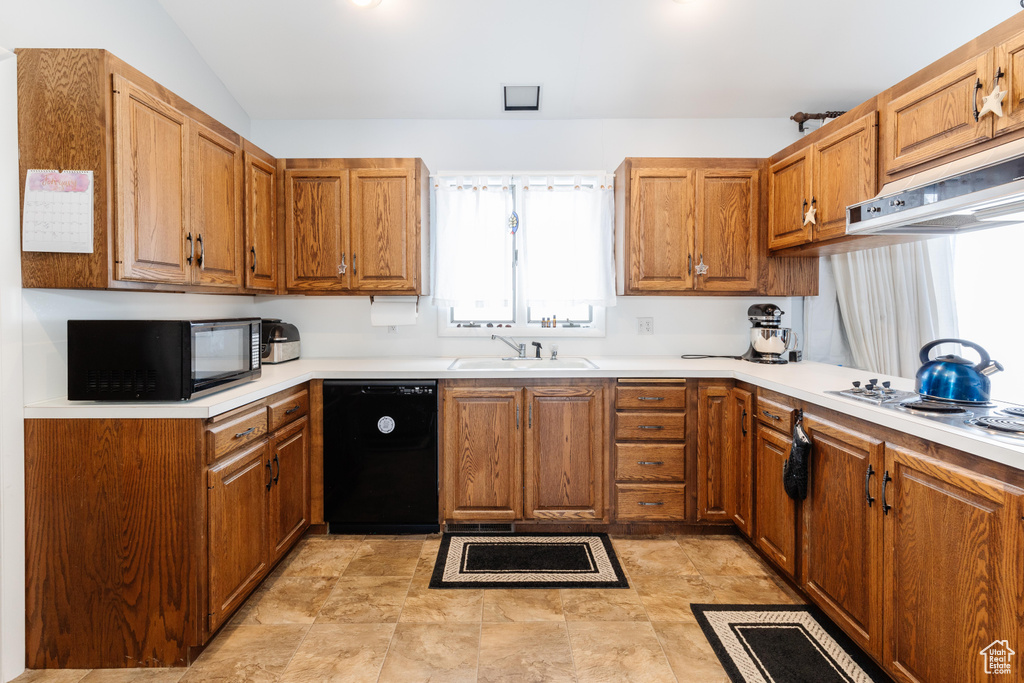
380 456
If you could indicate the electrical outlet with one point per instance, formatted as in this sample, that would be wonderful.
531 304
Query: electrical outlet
392 329
645 325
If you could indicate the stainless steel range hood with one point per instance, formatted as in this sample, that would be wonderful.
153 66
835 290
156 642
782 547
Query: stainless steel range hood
984 190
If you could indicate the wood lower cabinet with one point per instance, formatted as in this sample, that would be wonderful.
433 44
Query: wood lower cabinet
237 500
840 565
775 519
714 452
739 465
289 492
954 543
564 452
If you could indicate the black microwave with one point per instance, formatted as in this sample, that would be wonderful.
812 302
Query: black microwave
160 360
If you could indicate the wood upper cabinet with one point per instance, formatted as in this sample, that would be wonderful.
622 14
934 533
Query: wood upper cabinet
938 117
739 465
1009 67
385 234
260 246
954 543
151 187
726 230
238 490
216 225
289 492
841 566
662 218
714 452
317 255
564 450
828 176
775 512
482 451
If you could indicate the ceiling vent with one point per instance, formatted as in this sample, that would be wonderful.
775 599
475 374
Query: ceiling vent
522 98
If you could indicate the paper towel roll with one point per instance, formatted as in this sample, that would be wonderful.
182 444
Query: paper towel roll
393 310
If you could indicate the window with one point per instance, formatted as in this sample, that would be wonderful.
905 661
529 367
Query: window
514 251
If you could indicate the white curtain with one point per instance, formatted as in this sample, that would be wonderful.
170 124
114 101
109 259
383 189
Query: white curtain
824 334
568 241
894 300
472 247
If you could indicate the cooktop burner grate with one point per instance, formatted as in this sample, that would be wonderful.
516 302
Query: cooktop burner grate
924 406
1001 424
1016 411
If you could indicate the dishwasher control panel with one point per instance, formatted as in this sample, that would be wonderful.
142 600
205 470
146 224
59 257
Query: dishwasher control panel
408 391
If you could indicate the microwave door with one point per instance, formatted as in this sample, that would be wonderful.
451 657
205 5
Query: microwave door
221 354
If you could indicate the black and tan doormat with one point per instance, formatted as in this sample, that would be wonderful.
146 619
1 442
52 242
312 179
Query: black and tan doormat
783 644
527 560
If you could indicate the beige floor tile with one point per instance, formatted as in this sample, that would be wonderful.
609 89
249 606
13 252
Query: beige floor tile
523 605
135 675
749 590
425 564
287 600
525 652
602 604
396 537
319 556
689 653
365 599
340 653
255 653
653 557
52 676
432 652
433 605
668 598
717 556
618 651
385 558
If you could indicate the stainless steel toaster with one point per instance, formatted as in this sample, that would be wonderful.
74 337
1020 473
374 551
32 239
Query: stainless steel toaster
279 342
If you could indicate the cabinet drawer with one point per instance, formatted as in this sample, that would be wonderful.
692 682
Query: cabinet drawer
650 462
648 502
650 426
227 436
650 397
283 411
774 414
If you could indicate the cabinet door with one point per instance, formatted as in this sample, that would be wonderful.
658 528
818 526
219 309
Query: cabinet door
483 472
953 579
316 230
260 246
789 198
713 452
564 459
937 118
776 512
739 465
726 236
661 227
237 529
289 494
151 168
216 191
842 530
1009 62
385 232
845 173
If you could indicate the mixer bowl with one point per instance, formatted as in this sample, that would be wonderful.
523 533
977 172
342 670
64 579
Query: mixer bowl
773 341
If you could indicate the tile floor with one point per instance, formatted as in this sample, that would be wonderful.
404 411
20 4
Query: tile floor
349 608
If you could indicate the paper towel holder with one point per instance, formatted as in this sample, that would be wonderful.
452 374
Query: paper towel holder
372 297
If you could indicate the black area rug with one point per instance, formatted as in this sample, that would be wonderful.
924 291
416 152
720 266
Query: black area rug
529 560
784 644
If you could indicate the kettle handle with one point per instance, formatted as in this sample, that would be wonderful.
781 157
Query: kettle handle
981 352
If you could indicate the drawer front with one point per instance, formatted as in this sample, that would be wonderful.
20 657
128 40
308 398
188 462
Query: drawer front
650 462
650 502
232 434
776 415
283 411
650 397
650 426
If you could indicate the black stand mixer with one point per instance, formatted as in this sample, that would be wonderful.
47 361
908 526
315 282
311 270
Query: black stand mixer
769 341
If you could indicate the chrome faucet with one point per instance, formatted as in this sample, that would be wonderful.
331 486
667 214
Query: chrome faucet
520 348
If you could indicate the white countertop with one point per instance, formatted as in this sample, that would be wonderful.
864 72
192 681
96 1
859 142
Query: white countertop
805 381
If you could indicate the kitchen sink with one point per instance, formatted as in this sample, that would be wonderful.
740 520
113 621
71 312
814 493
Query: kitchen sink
522 364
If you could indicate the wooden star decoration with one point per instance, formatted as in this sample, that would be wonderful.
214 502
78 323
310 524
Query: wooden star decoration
993 102
811 216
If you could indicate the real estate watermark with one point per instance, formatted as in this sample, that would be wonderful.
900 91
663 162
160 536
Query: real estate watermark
997 657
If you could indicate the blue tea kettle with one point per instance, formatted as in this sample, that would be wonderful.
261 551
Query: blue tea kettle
952 378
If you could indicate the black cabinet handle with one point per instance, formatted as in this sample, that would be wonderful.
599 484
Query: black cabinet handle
689 264
767 414
202 252
974 99
885 483
278 463
191 249
517 416
743 422
270 475
650 462
292 409
252 250
649 427
657 503
867 481
247 432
